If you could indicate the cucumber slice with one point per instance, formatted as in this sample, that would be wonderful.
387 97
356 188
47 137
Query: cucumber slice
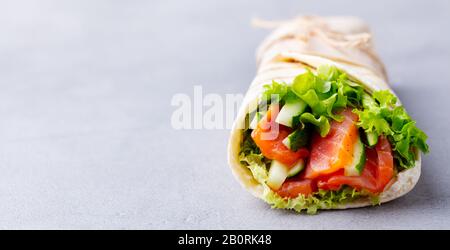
372 139
356 167
258 116
297 139
277 175
297 168
289 111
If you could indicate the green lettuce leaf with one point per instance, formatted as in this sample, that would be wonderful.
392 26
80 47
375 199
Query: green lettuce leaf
323 199
382 115
256 164
321 123
326 93
248 146
274 92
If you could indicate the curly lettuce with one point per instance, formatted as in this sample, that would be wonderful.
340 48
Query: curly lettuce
323 199
325 93
274 92
381 115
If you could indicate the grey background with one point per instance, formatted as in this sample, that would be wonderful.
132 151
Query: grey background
85 91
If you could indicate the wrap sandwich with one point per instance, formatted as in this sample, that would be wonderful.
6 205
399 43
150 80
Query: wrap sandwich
319 127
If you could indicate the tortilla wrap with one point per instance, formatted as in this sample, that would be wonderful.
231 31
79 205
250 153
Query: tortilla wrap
308 42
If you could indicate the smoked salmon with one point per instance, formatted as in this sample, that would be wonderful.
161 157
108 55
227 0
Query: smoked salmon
269 137
334 151
377 174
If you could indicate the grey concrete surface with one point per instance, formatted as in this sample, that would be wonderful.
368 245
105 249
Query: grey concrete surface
85 91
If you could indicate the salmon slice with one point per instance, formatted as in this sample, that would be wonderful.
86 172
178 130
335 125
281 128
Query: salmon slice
293 187
376 176
366 181
385 163
334 151
269 137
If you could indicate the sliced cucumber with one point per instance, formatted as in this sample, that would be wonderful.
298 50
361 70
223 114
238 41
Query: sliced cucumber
297 139
289 111
297 168
372 138
356 167
277 175
258 116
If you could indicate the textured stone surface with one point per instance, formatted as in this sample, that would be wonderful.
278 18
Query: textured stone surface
85 91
